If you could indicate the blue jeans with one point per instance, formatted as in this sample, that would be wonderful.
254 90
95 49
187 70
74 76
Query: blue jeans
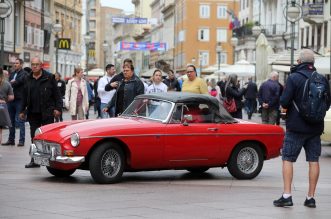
109 114
14 108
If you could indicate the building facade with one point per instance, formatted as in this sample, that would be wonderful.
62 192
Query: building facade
197 43
69 15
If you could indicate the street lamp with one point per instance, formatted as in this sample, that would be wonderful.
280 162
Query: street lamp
5 11
87 39
293 14
234 43
105 48
219 50
57 28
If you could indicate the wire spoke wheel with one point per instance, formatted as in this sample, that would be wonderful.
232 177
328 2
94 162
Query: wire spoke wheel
247 160
111 163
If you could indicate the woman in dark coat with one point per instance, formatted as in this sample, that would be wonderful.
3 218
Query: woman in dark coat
232 90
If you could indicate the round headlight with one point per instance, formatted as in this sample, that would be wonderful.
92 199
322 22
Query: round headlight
38 132
74 139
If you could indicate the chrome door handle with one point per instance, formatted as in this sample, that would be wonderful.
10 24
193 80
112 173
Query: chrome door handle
212 129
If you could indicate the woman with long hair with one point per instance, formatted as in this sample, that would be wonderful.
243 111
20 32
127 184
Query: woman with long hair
157 85
232 90
76 97
6 95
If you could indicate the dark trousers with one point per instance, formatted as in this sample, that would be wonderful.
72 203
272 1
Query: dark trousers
36 121
14 109
250 106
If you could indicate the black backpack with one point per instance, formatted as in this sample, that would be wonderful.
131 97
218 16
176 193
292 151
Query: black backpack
314 102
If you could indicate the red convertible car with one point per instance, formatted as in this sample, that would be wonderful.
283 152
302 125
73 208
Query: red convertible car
158 132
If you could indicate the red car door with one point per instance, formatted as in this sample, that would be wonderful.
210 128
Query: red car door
191 144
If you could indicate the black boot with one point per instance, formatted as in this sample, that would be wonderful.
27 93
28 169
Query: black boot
31 164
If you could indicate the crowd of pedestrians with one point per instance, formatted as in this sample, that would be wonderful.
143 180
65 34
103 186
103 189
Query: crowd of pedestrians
39 97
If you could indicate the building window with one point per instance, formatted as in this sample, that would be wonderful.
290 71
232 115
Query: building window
221 12
221 35
223 56
204 56
204 34
181 36
204 11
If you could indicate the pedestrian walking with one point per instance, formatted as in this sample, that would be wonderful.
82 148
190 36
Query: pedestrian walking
97 101
301 131
172 82
41 100
194 84
269 99
6 95
214 90
234 93
157 85
250 97
76 98
106 95
89 87
62 87
17 79
127 89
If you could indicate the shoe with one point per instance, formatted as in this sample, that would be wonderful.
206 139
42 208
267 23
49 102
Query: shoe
283 202
31 165
310 203
8 143
20 144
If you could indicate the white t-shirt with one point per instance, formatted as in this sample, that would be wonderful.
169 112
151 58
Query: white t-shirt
105 96
157 88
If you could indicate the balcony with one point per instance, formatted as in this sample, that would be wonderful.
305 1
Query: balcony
313 13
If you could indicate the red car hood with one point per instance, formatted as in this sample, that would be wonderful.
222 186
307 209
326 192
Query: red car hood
99 127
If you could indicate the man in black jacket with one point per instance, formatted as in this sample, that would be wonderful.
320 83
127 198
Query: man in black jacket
299 132
62 87
41 100
17 80
172 82
250 97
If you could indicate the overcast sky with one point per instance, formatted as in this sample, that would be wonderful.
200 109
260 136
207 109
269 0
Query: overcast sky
126 5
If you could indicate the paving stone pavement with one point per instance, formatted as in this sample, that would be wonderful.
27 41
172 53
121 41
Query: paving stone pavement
34 193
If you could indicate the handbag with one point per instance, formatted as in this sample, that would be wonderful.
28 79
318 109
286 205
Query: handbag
230 105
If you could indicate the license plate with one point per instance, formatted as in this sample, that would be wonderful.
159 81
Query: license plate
41 161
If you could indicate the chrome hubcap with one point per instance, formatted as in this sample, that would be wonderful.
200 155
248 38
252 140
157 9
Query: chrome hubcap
247 160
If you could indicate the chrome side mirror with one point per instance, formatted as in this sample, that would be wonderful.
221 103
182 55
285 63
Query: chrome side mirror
187 119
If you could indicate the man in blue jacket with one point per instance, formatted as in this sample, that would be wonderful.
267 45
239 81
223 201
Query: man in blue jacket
269 99
300 133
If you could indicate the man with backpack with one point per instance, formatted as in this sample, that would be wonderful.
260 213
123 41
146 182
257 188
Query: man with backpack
306 98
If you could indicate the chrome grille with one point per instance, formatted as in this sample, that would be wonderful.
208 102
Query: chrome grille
45 147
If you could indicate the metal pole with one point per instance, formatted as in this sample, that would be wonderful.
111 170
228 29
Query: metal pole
2 27
87 58
56 52
234 54
104 61
219 60
292 43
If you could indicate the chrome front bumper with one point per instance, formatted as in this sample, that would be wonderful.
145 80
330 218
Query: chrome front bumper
43 159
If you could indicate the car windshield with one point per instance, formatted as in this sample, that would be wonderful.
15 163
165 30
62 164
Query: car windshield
149 109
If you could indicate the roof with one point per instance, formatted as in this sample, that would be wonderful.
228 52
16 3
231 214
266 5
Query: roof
182 97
